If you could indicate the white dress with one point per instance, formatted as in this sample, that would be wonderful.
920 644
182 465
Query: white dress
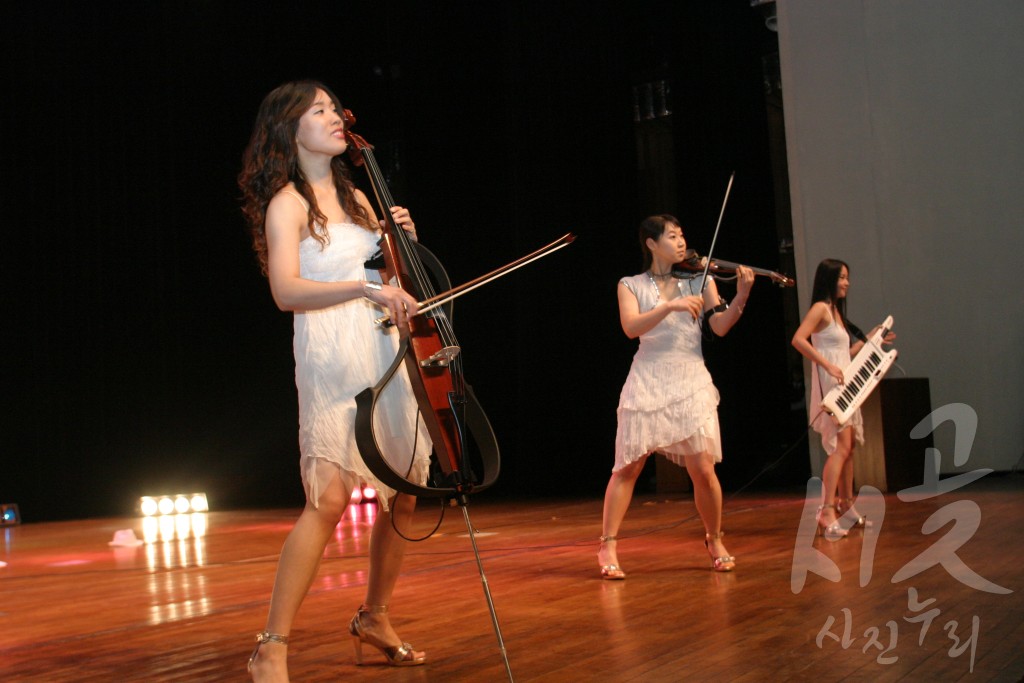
668 403
339 351
833 343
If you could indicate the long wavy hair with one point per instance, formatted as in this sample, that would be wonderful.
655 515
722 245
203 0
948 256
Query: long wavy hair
653 227
271 161
826 285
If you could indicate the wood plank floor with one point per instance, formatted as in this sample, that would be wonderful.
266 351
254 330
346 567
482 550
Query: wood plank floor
185 606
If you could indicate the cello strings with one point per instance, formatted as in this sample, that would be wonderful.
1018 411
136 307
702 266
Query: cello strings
404 244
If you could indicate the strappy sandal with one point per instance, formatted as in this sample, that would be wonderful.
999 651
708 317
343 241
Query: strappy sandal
833 531
842 509
611 572
396 655
725 563
261 638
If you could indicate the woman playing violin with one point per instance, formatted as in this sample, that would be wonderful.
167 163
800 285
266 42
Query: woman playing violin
313 231
669 403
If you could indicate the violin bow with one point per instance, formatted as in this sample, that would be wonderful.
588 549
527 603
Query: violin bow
465 288
711 250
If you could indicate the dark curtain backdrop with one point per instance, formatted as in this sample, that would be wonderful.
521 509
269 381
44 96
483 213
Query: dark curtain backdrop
142 350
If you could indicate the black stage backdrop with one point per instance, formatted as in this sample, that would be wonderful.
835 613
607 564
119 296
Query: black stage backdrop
142 350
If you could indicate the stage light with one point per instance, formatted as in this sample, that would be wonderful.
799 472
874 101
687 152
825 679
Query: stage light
361 493
9 515
178 503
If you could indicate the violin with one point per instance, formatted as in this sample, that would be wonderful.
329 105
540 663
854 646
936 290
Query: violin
695 263
431 355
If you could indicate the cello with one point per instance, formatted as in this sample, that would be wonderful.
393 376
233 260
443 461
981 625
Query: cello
431 354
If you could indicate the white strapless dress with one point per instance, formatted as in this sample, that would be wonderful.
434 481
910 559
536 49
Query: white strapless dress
339 351
833 342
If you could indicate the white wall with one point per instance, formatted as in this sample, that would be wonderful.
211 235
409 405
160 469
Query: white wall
905 140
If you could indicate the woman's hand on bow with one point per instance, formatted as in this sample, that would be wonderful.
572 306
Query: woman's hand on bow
686 304
399 304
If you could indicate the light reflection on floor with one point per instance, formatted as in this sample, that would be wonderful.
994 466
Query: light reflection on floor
189 532
177 595
173 542
179 542
351 541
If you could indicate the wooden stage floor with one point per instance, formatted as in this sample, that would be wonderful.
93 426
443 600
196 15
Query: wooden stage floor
186 606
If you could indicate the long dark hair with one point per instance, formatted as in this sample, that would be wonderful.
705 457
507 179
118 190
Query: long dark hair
271 161
826 285
653 227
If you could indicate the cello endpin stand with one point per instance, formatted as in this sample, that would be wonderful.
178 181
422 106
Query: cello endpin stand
463 503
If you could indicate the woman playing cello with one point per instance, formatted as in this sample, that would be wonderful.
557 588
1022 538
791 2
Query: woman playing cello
313 231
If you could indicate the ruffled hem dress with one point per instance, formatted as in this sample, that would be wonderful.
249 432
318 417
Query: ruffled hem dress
668 403
833 343
339 352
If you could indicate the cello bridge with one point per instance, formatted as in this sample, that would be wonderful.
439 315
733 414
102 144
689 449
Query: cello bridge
442 358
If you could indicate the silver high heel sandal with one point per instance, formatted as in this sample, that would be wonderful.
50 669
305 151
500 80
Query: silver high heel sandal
611 572
396 655
261 638
725 563
843 509
833 531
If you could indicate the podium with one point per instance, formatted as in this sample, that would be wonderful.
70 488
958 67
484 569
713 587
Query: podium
889 459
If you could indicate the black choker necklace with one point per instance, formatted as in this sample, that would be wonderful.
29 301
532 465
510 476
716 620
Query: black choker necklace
660 276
